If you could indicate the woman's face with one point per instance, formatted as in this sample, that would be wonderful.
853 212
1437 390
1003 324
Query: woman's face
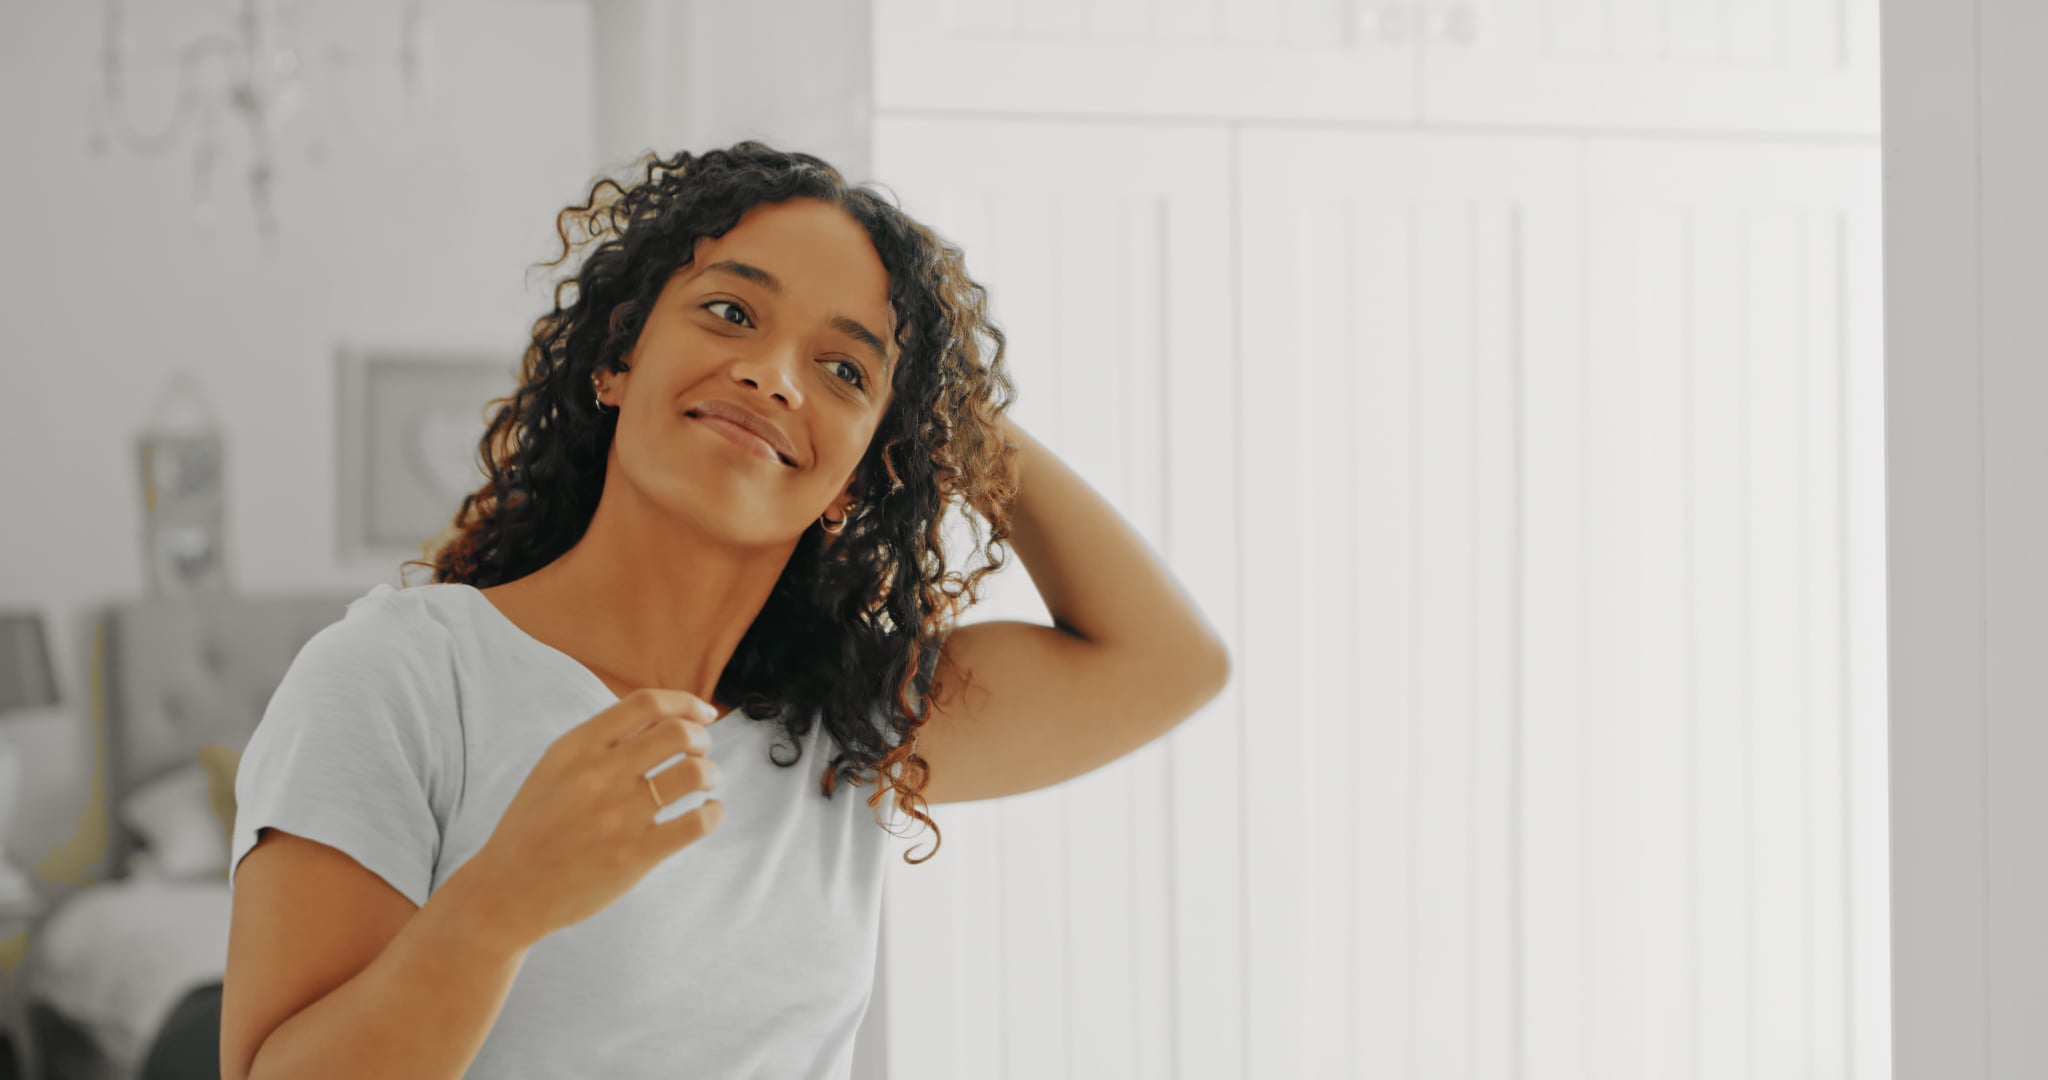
787 316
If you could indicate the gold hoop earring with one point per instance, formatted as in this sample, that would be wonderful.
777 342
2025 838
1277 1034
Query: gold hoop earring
834 528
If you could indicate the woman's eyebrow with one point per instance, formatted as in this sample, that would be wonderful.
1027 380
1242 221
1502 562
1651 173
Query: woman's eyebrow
843 323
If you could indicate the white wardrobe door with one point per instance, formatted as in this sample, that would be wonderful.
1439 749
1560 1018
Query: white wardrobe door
1735 294
1297 59
1537 487
1663 65
1612 762
1092 929
1410 358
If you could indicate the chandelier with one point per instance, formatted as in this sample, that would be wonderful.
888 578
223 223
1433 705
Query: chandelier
263 85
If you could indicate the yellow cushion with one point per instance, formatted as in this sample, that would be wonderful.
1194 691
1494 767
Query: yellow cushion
221 763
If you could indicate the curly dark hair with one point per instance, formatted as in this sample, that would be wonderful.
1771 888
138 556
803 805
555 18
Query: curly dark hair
852 630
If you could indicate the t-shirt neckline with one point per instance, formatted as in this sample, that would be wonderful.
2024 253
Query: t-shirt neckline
519 632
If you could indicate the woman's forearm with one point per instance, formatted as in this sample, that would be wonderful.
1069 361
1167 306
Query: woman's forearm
1096 575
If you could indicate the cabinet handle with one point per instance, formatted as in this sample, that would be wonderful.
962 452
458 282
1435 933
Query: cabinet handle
1389 23
1457 24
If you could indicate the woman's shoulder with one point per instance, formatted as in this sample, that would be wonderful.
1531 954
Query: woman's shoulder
430 608
388 630
412 611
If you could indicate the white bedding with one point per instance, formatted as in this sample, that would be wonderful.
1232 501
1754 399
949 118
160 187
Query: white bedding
117 957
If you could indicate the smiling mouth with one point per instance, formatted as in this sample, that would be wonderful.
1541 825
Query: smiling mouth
741 437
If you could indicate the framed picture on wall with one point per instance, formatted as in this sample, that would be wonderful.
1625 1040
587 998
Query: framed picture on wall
408 430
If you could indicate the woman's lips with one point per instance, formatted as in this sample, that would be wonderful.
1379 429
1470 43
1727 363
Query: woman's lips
740 437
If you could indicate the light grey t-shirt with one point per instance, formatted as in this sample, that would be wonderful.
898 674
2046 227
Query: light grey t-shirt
400 734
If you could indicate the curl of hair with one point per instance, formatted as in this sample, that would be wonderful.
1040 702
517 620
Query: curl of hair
851 633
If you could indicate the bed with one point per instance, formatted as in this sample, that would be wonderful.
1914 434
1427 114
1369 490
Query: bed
122 978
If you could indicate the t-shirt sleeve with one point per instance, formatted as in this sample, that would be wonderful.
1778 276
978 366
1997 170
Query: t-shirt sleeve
360 746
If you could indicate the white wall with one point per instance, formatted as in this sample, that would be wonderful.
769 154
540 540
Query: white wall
702 73
417 233
1966 231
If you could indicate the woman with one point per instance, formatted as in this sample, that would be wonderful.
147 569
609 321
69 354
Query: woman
713 514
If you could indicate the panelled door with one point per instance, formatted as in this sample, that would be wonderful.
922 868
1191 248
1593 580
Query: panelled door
1410 346
1095 928
1291 60
1738 905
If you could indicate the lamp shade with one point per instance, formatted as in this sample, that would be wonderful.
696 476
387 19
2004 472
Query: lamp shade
26 679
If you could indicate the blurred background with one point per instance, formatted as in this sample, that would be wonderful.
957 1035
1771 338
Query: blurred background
1504 378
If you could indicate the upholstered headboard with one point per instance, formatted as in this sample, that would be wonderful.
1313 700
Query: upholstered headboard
181 673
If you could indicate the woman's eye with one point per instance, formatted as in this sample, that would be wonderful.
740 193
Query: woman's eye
860 378
735 307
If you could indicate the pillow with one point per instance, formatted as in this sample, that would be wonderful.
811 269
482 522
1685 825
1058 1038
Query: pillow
220 763
175 819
